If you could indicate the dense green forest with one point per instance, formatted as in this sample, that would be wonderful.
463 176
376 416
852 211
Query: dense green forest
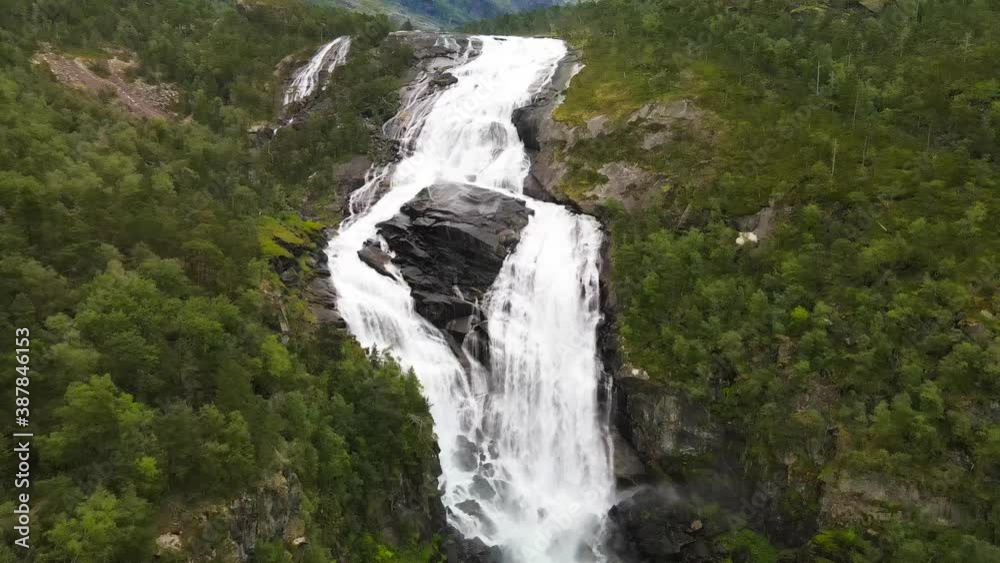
855 348
140 254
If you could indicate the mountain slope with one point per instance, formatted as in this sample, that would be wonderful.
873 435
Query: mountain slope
184 402
799 195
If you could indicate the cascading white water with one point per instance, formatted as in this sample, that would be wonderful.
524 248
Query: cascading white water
542 483
327 58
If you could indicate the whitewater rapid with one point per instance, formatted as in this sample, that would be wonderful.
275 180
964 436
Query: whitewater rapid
542 483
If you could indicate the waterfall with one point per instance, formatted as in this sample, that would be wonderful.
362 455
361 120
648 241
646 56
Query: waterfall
327 58
540 482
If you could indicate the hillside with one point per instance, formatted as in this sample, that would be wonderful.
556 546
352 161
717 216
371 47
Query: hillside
185 403
788 331
804 273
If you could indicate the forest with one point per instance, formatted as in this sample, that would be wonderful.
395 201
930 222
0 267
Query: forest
855 348
166 397
177 379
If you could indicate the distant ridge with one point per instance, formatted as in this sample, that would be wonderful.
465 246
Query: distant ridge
435 14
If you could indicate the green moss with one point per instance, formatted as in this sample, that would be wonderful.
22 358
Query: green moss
746 545
270 233
275 235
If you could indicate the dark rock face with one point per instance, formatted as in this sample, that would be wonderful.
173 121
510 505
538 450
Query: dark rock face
462 550
532 120
273 511
664 427
449 243
628 467
678 438
350 175
444 79
652 525
540 134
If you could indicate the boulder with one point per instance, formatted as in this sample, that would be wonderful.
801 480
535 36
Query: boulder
449 244
482 488
534 121
376 258
464 550
653 525
475 510
444 79
765 221
466 454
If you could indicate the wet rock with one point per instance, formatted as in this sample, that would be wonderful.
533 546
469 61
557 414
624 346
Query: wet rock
437 50
467 454
628 467
475 510
323 302
542 135
444 79
464 550
435 54
376 258
449 244
651 525
470 507
319 292
482 488
502 487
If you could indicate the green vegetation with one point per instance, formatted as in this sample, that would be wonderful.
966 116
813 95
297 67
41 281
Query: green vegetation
220 53
856 347
428 14
177 385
